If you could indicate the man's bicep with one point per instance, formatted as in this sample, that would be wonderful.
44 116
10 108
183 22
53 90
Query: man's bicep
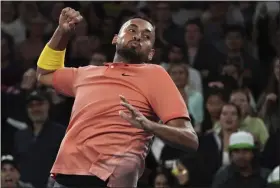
180 123
63 81
165 99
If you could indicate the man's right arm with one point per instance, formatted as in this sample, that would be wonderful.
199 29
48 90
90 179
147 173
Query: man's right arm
52 57
57 43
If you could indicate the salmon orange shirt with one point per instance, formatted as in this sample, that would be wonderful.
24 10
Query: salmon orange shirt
98 141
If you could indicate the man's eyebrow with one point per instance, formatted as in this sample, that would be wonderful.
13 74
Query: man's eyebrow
134 25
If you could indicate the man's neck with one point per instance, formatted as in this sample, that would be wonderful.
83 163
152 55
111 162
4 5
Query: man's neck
118 59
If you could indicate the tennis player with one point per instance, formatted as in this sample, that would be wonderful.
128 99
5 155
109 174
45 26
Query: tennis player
116 109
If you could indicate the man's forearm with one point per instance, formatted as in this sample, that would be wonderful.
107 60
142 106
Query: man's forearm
58 43
182 138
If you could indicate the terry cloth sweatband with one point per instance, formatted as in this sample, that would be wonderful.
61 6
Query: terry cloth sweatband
51 59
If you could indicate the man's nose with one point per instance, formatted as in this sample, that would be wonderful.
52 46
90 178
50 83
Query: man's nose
136 37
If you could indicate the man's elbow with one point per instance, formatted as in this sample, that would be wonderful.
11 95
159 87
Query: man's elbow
191 140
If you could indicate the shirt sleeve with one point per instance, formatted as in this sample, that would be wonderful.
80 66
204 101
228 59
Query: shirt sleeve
164 97
63 81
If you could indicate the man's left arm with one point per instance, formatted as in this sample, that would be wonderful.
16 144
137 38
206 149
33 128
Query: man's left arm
167 102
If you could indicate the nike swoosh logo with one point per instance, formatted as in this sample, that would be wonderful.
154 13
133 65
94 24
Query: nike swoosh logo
123 74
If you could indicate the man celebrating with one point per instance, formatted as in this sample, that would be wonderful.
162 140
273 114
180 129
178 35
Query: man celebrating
108 137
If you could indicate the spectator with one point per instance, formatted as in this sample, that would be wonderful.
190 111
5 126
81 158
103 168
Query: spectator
11 23
269 101
10 176
254 125
213 147
167 32
37 146
31 48
194 100
271 152
176 55
244 170
214 103
163 179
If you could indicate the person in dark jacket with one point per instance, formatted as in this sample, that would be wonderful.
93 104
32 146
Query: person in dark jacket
36 147
244 170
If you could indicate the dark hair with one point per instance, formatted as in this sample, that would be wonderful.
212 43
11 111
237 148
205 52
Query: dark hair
234 28
241 91
143 18
273 85
196 22
163 171
185 67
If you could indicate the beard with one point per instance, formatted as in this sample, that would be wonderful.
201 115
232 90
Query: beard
131 54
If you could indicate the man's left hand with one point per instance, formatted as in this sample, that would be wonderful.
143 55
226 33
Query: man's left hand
134 117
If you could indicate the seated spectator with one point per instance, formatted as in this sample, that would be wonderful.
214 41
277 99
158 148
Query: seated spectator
269 103
244 170
213 147
214 102
10 176
200 54
163 179
36 147
251 124
273 180
271 152
194 100
175 55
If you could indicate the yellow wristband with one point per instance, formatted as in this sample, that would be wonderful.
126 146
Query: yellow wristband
51 59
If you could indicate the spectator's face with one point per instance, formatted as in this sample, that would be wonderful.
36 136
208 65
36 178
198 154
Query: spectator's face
179 76
135 40
175 54
7 11
98 59
234 41
161 181
240 100
242 158
9 176
163 11
38 111
218 9
277 69
214 105
192 34
229 117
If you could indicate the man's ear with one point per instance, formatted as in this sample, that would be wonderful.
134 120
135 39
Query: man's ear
151 54
115 39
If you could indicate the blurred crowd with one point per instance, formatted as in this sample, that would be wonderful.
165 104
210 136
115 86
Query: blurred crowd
222 56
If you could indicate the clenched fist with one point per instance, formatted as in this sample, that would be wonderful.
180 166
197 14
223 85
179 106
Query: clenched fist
69 18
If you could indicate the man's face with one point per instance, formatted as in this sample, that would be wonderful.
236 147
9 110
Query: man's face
234 41
163 11
9 176
175 54
135 40
242 157
192 34
38 110
179 76
98 59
